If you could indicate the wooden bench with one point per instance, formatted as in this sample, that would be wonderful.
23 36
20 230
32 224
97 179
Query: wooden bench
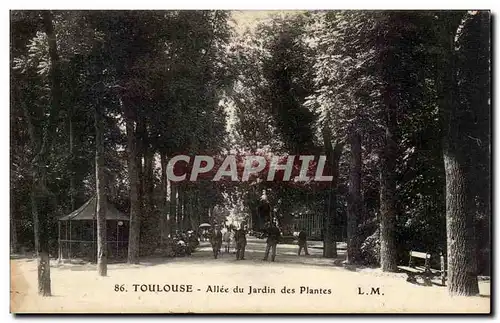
425 271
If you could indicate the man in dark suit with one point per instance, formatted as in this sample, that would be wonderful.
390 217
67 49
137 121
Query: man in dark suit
216 240
273 237
303 242
241 242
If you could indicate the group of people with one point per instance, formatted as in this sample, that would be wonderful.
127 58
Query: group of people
273 234
228 235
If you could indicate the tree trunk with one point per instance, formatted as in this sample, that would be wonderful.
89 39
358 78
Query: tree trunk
140 183
188 222
187 210
197 211
168 201
163 197
332 160
462 266
388 259
41 244
13 226
354 205
72 186
102 259
41 226
388 157
44 283
173 208
148 181
388 255
151 218
135 221
36 219
14 246
140 153
180 207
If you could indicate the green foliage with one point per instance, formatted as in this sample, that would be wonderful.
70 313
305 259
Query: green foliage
174 66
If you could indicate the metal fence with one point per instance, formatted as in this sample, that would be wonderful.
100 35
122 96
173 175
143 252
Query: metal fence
310 223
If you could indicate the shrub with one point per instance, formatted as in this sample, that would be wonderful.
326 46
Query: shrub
370 250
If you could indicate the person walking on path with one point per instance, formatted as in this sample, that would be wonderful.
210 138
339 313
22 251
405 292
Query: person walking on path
241 242
227 237
273 237
303 242
216 241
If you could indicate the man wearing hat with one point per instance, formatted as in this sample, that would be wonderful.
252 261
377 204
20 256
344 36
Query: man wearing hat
273 237
241 242
216 240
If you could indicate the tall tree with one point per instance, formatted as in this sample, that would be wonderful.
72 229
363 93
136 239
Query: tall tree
354 203
333 154
388 257
102 258
134 182
163 197
462 265
40 191
346 95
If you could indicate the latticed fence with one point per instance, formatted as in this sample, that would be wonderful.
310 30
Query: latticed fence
87 250
310 223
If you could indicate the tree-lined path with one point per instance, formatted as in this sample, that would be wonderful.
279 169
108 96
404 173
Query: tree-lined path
394 104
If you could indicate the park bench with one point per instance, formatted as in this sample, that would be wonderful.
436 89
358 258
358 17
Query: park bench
426 272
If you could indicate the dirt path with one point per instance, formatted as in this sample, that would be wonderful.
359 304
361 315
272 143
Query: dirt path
291 284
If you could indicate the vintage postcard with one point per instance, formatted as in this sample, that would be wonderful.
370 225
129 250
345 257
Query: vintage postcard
211 161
